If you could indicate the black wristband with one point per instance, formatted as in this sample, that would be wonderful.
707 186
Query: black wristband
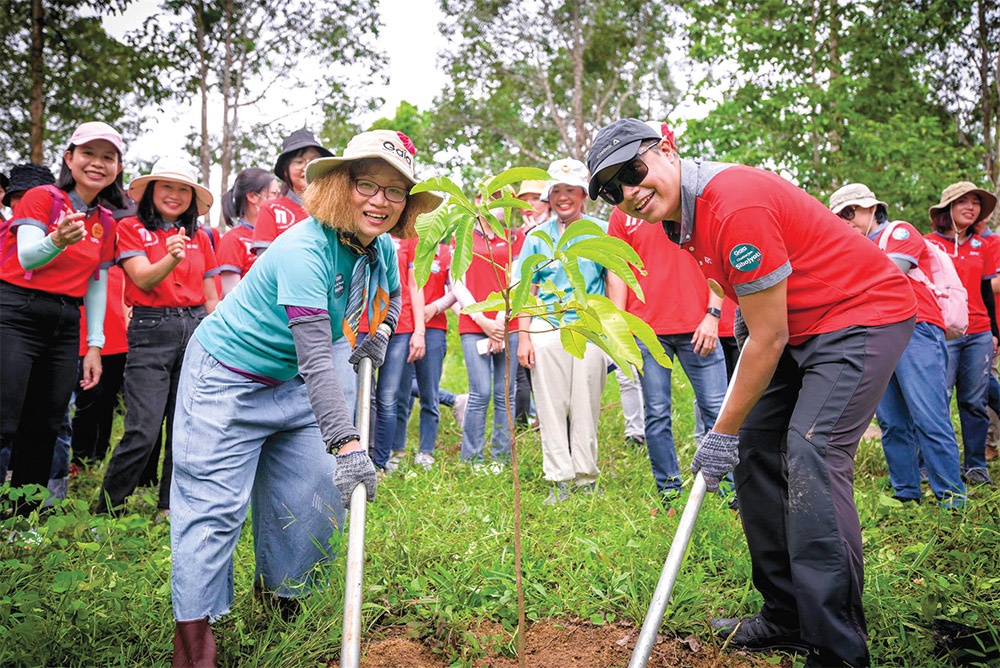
711 310
333 447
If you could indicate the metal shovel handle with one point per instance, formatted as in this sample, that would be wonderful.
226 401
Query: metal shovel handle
350 650
672 566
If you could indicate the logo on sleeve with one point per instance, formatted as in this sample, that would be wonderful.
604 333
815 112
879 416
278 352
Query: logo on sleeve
900 234
976 243
338 285
745 257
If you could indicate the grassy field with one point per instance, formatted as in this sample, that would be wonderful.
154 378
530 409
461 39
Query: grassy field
84 590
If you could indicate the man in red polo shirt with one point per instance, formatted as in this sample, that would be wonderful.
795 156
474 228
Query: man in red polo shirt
828 316
685 317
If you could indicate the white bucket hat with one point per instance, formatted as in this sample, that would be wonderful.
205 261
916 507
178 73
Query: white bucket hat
568 172
177 170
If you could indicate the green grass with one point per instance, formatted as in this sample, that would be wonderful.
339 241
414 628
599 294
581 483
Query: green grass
95 591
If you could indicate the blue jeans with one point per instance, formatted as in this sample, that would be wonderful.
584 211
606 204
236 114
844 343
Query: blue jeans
708 378
486 378
389 394
915 418
969 359
238 443
428 379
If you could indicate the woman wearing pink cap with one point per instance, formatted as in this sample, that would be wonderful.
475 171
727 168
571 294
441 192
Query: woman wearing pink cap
56 253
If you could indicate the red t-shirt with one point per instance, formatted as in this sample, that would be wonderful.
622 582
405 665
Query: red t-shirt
753 229
234 252
437 285
68 272
184 286
676 291
993 242
275 217
485 277
906 243
115 326
974 264
404 254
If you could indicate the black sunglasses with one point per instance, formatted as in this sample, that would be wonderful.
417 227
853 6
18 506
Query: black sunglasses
631 173
847 213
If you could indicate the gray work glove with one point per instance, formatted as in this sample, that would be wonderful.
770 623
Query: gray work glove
740 330
717 455
352 469
373 347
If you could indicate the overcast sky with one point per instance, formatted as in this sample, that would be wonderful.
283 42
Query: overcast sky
409 38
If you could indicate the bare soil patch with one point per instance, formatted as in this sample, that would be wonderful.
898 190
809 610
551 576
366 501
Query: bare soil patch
558 644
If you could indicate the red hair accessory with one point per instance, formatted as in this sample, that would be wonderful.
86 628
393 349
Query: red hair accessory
407 143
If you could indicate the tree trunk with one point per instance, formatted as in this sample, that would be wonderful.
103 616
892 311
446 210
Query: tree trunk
205 149
228 106
36 103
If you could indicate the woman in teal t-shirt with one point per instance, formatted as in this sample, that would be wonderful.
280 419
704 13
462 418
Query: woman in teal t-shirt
261 408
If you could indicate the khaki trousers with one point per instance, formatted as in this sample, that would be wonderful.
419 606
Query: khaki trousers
568 389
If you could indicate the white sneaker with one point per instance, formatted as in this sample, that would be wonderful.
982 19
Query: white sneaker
395 459
458 410
424 459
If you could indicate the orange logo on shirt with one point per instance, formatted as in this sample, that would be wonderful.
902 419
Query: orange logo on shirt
97 231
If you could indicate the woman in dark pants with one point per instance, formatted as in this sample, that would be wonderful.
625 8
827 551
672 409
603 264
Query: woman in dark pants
56 252
169 268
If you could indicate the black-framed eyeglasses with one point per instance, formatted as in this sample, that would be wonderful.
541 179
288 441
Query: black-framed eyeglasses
370 188
630 173
847 213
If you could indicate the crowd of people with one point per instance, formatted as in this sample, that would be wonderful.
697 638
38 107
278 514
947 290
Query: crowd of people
247 346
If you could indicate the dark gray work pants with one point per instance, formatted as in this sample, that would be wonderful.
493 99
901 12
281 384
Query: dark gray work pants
795 483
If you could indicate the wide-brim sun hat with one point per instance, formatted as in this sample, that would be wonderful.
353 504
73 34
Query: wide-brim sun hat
395 148
532 188
568 172
957 190
176 170
25 177
297 141
854 194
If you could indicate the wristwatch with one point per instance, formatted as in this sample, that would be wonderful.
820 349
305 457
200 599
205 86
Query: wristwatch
711 310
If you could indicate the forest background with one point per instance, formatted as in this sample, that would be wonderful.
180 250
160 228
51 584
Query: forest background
901 95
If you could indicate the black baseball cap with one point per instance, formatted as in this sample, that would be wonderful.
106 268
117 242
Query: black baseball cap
614 144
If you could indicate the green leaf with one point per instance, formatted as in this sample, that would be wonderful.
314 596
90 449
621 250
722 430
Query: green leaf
580 228
494 302
645 333
462 256
573 340
507 202
523 287
433 229
609 253
572 268
444 184
516 175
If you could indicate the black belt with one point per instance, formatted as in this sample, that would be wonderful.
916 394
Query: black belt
167 311
41 294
